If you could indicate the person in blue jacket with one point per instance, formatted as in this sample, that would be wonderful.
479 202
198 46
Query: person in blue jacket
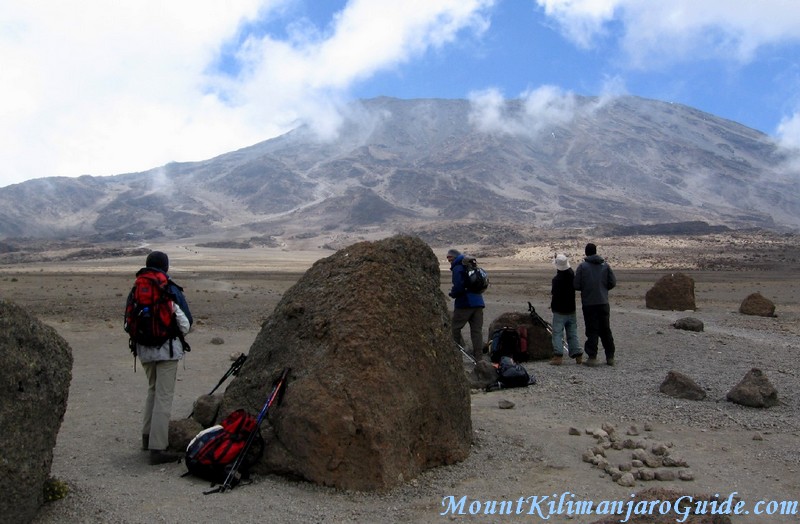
467 307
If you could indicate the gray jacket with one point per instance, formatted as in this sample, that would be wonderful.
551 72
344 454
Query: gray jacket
593 278
158 354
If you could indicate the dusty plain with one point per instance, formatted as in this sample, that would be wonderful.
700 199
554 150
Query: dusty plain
517 453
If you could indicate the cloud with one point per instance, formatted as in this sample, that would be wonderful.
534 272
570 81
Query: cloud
676 30
542 108
108 87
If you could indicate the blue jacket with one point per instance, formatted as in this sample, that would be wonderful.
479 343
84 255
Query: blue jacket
463 299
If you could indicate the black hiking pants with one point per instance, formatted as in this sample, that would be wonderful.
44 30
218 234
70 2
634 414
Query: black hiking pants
597 320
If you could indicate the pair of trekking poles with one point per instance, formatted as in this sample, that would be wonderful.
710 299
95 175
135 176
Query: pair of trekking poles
278 387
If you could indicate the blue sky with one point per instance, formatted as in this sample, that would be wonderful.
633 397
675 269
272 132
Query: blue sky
103 88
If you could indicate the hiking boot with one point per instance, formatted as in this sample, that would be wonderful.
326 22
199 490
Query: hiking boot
145 442
160 456
591 362
610 361
579 359
556 360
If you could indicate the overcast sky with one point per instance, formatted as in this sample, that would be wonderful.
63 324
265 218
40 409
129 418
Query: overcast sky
102 88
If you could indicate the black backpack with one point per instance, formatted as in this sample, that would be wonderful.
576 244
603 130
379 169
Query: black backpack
476 280
511 375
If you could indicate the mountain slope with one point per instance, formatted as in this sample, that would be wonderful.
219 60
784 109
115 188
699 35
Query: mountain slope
405 163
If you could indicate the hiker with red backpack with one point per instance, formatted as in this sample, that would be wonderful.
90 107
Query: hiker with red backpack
157 317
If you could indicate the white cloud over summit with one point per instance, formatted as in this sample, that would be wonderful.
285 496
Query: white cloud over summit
102 88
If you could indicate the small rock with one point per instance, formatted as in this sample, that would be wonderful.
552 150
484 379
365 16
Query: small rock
685 474
626 480
665 474
758 436
633 431
646 474
505 404
574 431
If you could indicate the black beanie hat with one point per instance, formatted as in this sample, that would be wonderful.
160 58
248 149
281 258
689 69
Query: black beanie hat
591 249
158 260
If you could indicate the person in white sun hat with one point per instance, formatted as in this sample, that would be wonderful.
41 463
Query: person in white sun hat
565 320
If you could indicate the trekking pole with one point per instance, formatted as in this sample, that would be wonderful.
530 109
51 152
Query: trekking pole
279 386
464 352
233 370
535 316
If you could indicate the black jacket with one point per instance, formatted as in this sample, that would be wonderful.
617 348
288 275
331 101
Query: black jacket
563 299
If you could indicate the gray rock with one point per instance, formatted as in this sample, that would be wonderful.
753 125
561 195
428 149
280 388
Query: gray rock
673 292
755 390
377 392
36 370
679 385
689 324
758 305
181 433
206 408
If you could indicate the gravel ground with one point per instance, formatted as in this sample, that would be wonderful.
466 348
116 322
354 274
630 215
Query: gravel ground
520 452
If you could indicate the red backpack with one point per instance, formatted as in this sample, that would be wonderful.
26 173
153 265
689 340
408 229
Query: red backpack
149 319
214 450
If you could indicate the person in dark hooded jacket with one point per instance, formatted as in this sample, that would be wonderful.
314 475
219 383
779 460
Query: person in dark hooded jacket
594 278
467 307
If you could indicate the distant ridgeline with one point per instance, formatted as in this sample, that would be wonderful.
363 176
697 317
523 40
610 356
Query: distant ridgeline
695 227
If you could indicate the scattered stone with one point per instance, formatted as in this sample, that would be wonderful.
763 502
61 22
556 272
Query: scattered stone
608 428
685 474
629 443
659 448
625 466
588 455
758 305
665 475
678 385
648 426
646 474
674 462
574 431
626 480
674 292
505 404
217 341
636 463
755 390
758 436
632 431
689 324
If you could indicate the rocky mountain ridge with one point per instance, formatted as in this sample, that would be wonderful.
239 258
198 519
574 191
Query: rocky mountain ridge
415 165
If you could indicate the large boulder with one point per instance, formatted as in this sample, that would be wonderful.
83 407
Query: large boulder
758 305
35 370
673 292
377 392
540 342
